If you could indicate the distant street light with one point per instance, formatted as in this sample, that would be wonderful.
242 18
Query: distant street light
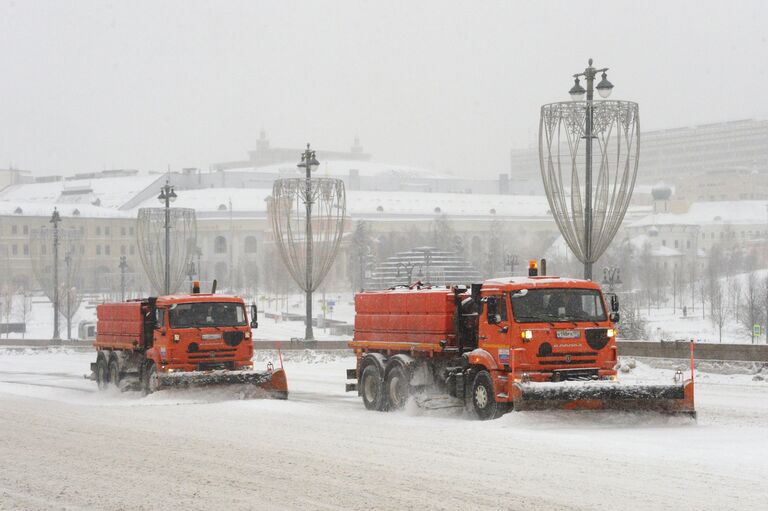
55 220
510 261
123 267
167 195
611 277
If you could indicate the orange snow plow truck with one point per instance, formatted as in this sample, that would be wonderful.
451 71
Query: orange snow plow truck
180 340
533 343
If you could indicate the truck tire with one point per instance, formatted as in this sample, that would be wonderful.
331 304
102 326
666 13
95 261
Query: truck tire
114 374
149 382
483 400
397 387
372 389
102 373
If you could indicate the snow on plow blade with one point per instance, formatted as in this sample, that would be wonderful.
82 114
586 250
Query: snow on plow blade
264 384
671 399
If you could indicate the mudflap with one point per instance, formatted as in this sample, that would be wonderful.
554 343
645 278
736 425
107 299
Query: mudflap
674 399
257 384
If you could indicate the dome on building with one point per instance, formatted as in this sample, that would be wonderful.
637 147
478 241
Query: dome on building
661 191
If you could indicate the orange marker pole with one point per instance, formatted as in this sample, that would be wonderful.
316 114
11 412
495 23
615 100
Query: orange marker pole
691 359
280 354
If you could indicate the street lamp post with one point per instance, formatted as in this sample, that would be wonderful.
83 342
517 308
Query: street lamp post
167 195
55 220
123 267
308 163
511 260
611 277
604 88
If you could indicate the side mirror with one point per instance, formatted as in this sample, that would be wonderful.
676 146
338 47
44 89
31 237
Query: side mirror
254 317
492 310
615 317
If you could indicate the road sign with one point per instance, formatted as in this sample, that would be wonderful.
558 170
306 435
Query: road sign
756 331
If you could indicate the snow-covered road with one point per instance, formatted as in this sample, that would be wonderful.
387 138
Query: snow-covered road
65 446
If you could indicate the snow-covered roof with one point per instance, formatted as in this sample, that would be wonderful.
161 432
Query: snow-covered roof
371 204
710 213
111 192
44 209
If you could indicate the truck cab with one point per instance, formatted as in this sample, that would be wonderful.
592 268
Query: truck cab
543 328
200 332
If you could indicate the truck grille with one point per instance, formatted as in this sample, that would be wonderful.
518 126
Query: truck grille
565 362
220 354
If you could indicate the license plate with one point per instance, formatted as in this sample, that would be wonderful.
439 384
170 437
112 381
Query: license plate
568 334
211 337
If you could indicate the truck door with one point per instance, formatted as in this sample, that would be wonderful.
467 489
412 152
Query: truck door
495 328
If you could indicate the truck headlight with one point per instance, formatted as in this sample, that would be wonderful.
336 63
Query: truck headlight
610 332
176 337
526 334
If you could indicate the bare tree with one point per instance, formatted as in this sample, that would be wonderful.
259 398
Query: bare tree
7 307
25 311
750 305
443 232
717 307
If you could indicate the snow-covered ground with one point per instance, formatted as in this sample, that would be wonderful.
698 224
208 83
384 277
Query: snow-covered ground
64 445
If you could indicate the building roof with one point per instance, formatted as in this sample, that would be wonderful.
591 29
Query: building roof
45 209
367 204
711 213
109 192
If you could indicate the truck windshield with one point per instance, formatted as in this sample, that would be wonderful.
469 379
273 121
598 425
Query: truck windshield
202 314
557 304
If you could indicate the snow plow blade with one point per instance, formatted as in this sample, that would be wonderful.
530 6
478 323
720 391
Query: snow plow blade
674 399
266 383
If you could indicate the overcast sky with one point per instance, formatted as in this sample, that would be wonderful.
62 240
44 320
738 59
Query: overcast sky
447 86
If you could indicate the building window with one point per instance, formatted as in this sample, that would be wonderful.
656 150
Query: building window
122 249
98 249
44 249
15 250
130 231
107 249
663 243
122 231
131 250
106 231
676 244
26 249
250 245
98 231
688 244
25 229
14 229
220 245
82 249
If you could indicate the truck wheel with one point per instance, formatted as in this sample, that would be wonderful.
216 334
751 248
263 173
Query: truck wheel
114 374
483 400
372 389
102 373
149 384
397 386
